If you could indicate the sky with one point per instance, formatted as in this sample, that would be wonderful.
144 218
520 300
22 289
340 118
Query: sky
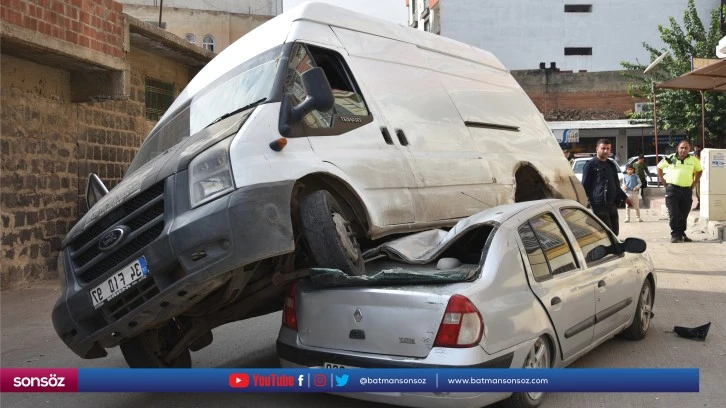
391 10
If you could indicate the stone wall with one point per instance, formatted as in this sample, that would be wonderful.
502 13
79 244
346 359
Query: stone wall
49 145
94 24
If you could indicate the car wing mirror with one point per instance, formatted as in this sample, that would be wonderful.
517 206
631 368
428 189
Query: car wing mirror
319 97
634 245
95 190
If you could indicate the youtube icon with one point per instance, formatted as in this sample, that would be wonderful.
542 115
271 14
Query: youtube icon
239 380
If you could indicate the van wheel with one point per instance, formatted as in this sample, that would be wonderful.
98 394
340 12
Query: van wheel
538 357
329 234
150 348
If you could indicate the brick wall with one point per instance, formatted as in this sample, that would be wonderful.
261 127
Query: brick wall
578 96
94 24
49 145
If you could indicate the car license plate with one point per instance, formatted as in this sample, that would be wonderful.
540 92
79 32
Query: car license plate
121 280
335 365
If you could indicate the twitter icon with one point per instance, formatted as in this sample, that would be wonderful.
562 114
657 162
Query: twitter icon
341 380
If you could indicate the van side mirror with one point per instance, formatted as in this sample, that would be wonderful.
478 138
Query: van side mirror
319 97
95 189
634 245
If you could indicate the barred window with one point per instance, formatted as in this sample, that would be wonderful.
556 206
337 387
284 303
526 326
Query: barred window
191 38
159 97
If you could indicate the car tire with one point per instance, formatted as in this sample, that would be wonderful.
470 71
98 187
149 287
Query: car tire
328 231
539 356
147 350
641 321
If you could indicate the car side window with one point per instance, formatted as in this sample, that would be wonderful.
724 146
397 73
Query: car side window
547 248
537 261
588 232
554 244
350 109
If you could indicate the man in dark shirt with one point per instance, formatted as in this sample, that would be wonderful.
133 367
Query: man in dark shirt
600 180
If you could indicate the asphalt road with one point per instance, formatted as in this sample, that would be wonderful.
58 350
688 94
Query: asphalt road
691 291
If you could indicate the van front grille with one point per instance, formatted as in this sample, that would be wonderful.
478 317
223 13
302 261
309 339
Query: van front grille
142 218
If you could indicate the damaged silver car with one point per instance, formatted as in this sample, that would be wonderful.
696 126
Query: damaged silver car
533 285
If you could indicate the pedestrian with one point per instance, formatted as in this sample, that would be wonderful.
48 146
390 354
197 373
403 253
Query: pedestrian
641 170
631 185
684 172
697 153
600 180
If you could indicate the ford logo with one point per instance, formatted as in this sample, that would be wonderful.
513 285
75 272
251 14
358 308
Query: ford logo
111 239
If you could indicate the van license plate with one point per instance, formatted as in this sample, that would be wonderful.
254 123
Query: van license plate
332 365
121 280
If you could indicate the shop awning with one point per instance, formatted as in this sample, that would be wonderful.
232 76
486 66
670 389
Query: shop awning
711 78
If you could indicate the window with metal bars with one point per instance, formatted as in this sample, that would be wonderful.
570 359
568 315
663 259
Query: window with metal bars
159 96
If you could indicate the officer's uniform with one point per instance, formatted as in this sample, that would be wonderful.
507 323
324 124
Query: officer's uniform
679 196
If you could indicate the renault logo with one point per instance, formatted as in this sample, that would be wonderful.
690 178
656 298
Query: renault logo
111 239
357 315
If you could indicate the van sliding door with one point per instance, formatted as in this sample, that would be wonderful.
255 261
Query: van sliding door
438 146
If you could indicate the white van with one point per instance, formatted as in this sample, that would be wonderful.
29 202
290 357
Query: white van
308 139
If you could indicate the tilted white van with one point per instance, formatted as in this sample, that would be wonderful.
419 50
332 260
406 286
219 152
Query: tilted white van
314 135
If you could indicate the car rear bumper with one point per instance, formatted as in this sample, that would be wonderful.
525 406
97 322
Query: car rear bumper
197 251
293 354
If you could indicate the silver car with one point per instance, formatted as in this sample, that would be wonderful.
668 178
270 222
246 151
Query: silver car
535 284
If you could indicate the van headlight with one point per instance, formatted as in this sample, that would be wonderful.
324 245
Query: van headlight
210 174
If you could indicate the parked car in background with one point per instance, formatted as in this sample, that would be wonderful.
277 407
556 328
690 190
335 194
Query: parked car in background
579 164
651 162
533 285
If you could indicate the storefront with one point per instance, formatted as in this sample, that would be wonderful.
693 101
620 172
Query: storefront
580 137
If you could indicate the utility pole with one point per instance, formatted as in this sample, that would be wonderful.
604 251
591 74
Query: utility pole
161 5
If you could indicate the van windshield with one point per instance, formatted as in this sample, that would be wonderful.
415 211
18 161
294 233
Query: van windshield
249 84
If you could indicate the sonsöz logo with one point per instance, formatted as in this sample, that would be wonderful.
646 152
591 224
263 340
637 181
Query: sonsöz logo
51 381
39 380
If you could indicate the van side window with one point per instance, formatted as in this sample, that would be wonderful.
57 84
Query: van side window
350 110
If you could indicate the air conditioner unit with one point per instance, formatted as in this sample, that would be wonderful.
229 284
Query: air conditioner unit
640 107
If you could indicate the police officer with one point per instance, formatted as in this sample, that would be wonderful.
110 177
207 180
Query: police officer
600 180
684 172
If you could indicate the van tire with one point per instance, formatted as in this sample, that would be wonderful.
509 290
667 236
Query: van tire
147 349
328 231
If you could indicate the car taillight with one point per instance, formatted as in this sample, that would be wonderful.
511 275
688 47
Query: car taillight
462 325
288 309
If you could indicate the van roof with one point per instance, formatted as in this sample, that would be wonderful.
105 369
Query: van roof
275 32
328 14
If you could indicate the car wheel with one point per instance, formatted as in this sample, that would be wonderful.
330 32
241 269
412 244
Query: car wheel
538 357
150 349
329 234
643 312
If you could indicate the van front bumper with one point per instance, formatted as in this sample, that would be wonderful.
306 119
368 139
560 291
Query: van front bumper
197 252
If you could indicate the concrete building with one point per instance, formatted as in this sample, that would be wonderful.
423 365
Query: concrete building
81 86
592 35
213 25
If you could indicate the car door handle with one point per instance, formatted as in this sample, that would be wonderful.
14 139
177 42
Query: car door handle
601 284
555 301
401 137
386 136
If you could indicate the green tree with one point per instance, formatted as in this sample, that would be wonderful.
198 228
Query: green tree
681 110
